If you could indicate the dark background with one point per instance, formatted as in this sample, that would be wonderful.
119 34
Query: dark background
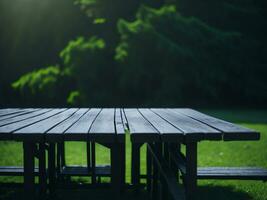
172 53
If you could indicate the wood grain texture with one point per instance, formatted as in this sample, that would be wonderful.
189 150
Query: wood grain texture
56 133
46 124
230 131
167 131
140 129
103 127
23 116
7 130
192 129
5 117
79 130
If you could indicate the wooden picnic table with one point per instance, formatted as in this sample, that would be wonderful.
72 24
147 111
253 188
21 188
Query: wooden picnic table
162 129
39 129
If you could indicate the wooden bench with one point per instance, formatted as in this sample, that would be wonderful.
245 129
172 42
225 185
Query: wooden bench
231 173
15 171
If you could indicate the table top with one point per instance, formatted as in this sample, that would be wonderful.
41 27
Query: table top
110 124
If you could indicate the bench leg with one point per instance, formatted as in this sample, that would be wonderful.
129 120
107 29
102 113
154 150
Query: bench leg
28 161
191 169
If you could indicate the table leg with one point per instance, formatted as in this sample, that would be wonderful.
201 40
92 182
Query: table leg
52 168
28 161
42 169
115 169
191 169
135 172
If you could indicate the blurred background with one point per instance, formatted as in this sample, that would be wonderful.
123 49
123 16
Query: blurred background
154 53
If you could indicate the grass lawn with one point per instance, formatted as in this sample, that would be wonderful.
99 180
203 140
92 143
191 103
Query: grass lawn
210 154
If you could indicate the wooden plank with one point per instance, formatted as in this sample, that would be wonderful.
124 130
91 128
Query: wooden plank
5 131
168 132
230 131
193 130
56 133
140 129
38 129
23 117
119 125
103 127
231 173
9 111
124 120
15 171
26 111
79 131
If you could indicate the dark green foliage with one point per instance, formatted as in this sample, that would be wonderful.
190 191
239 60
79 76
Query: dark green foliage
42 87
170 59
205 53
88 61
32 34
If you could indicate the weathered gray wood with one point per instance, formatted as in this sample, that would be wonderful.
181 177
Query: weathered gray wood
140 129
39 128
239 173
124 120
167 131
103 127
9 111
6 131
15 171
56 133
230 131
119 125
25 111
23 116
193 130
79 131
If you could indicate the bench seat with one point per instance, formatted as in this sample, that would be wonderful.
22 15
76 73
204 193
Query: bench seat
14 171
239 173
100 170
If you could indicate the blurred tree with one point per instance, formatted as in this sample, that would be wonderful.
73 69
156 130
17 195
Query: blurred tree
32 34
168 59
208 53
92 67
42 87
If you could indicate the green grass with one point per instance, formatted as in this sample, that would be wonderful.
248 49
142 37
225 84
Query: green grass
248 153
